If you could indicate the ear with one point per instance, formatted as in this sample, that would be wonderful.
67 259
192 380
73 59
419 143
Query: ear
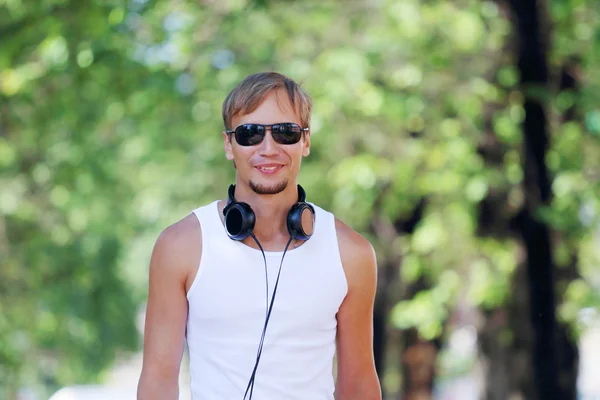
227 144
306 144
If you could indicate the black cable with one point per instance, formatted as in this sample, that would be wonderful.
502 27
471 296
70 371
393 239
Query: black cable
266 307
266 273
250 386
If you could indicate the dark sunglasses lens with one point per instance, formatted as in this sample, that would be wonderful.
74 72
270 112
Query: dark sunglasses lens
249 134
287 133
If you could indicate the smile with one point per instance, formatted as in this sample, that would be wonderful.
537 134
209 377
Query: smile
269 169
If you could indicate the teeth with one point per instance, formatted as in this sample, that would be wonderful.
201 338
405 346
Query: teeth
268 168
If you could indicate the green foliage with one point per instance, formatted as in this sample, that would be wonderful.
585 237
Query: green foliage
428 309
110 130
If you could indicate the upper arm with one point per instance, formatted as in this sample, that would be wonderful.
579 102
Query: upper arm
173 259
356 365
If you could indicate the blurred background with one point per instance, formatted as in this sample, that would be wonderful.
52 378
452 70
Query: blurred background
462 137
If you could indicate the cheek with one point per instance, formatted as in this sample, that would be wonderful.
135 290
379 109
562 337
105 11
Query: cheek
297 157
241 155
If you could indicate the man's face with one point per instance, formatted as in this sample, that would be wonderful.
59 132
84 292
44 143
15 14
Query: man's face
267 167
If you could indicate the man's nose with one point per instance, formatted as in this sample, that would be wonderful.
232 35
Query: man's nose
268 145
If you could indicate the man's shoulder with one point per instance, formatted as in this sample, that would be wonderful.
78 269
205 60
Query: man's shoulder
179 242
351 239
355 249
188 228
357 255
346 236
181 230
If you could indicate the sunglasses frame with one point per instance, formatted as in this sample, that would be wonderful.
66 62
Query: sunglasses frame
270 127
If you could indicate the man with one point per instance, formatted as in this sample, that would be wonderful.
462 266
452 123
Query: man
267 291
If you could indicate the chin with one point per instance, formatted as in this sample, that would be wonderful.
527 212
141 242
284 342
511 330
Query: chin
268 188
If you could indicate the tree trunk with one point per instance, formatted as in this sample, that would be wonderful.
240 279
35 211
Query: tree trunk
419 358
418 366
383 304
390 289
504 334
567 350
527 354
533 68
379 337
387 275
506 341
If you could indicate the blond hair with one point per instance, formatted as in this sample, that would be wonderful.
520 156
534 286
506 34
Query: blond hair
250 93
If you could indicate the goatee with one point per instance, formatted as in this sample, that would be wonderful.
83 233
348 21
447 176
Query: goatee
264 189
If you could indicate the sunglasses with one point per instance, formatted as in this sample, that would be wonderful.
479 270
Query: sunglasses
253 134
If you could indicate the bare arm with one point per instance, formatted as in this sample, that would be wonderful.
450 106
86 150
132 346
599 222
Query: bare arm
356 377
166 313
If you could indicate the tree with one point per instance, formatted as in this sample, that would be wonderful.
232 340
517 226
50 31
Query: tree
110 130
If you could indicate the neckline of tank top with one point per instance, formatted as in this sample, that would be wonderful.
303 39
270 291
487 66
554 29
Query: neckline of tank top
292 251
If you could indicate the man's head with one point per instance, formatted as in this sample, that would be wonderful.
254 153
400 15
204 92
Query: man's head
267 157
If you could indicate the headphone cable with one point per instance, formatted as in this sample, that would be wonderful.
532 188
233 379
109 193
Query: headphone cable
250 387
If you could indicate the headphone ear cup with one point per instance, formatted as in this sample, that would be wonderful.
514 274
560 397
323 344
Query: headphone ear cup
296 228
239 220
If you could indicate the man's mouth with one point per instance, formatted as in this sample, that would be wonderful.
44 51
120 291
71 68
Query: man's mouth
269 168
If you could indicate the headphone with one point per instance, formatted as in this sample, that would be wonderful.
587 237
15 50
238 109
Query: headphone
240 219
239 224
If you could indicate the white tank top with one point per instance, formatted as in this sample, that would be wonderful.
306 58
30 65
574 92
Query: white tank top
227 310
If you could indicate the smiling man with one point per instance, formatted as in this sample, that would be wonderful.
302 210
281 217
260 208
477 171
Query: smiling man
265 286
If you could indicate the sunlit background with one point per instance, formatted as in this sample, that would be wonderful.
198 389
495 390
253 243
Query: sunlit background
110 130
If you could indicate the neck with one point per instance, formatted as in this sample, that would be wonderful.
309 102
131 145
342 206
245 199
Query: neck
271 211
